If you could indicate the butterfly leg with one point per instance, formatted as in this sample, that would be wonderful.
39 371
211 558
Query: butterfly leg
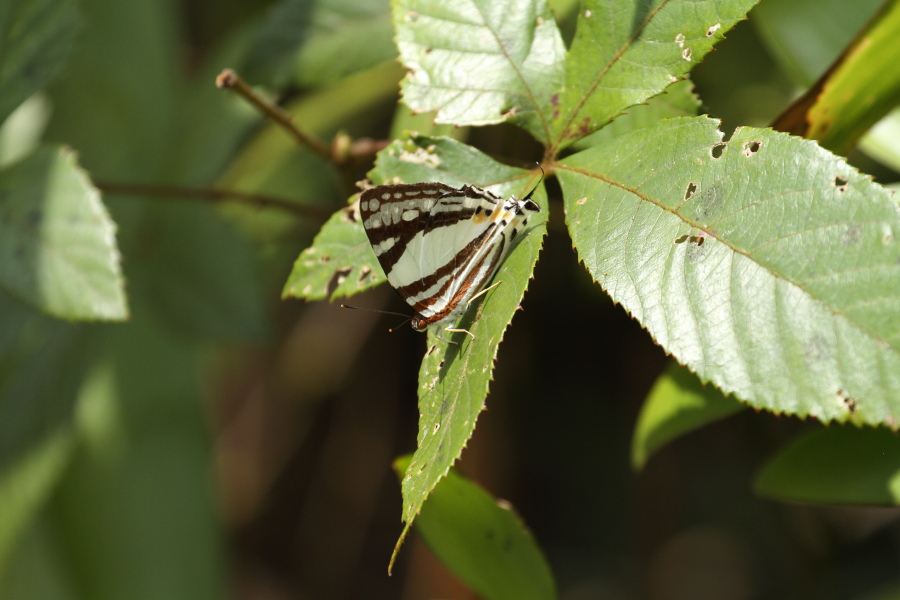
482 292
438 335
452 330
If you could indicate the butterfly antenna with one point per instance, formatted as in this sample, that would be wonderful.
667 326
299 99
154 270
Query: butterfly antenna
528 197
402 323
384 312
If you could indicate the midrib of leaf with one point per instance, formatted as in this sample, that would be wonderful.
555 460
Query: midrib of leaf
745 253
679 298
529 93
596 83
502 51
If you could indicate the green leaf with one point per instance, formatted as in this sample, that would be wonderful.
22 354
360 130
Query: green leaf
678 404
27 482
143 472
36 571
766 265
311 43
453 379
679 100
864 87
57 243
281 33
36 37
346 36
339 263
836 465
131 98
881 143
480 61
625 52
482 541
42 364
806 36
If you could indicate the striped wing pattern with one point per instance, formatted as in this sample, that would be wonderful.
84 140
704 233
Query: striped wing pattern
440 245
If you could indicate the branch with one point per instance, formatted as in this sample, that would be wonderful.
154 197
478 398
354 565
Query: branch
343 150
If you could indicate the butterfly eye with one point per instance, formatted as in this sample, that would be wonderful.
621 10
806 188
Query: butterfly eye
531 206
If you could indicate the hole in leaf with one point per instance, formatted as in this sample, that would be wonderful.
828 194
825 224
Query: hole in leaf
689 192
351 213
840 183
587 14
696 239
363 274
687 53
718 149
712 30
337 278
751 148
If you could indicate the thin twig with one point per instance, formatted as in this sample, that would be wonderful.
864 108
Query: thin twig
314 213
230 80
343 151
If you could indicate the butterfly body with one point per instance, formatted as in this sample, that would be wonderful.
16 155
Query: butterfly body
438 245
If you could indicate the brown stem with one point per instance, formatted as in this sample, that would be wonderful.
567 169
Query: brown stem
230 80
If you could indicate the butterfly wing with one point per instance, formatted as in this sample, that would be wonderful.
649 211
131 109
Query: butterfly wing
440 245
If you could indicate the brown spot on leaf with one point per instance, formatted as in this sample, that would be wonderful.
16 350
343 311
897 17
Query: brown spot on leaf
337 278
847 401
584 127
350 214
364 272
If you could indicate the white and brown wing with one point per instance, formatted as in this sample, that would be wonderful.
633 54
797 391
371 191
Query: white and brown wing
440 245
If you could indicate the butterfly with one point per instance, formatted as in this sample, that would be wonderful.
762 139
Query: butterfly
439 245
